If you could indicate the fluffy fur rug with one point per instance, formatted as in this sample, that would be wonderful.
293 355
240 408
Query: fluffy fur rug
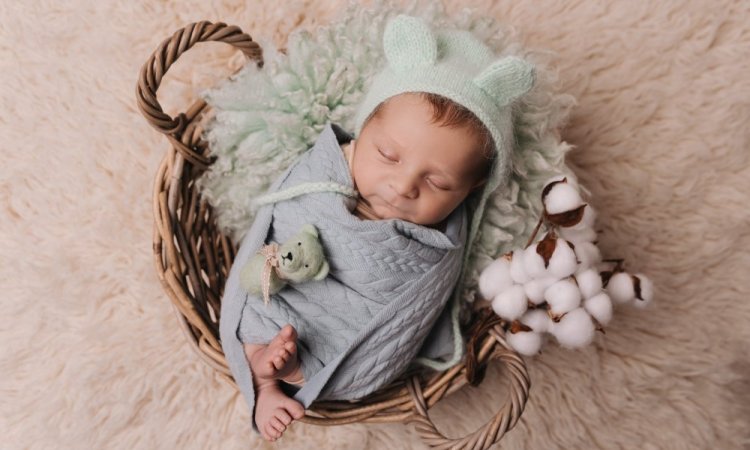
92 356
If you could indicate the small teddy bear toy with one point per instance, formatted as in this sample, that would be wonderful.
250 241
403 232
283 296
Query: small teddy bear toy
297 260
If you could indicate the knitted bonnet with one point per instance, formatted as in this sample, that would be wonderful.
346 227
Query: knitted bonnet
456 65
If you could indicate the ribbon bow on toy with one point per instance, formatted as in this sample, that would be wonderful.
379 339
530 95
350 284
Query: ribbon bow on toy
271 253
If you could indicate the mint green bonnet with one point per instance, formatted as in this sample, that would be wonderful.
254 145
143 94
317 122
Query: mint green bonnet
456 65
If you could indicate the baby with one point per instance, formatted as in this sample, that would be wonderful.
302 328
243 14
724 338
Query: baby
434 129
419 155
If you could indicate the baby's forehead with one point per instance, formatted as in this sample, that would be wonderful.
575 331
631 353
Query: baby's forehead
397 137
464 144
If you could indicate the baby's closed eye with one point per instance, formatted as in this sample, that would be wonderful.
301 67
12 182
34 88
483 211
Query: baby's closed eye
439 184
387 155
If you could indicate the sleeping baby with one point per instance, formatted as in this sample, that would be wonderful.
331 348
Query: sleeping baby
390 211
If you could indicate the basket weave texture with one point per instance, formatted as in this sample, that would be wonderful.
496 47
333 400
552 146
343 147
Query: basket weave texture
193 259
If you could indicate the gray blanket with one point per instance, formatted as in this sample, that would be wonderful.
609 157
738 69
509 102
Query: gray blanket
382 304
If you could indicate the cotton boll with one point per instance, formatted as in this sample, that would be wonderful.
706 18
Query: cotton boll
620 288
575 329
562 296
535 289
600 307
495 278
533 263
563 262
510 304
555 179
588 254
588 220
526 343
646 291
576 236
589 282
517 270
537 319
561 198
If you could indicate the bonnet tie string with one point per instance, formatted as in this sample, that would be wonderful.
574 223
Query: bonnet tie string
302 189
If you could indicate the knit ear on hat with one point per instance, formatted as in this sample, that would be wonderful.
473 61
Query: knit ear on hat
409 43
506 79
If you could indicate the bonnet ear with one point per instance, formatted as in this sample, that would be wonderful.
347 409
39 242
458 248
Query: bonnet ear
506 79
409 43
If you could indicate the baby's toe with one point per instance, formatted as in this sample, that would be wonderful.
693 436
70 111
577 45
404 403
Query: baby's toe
290 346
288 332
283 354
295 408
272 432
265 434
283 416
278 425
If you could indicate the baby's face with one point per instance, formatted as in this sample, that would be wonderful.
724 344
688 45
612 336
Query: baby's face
409 168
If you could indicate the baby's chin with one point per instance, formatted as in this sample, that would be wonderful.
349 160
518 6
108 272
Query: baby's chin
383 211
386 212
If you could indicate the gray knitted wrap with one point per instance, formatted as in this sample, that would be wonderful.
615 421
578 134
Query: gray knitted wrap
362 326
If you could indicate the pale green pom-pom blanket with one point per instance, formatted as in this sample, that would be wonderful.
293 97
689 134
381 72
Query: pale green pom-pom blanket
265 118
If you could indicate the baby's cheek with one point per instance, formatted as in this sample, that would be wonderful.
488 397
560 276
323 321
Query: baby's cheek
443 206
367 182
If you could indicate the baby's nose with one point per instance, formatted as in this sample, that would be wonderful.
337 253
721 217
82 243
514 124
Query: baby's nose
405 188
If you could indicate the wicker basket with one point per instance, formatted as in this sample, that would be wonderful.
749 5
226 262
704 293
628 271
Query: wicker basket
193 260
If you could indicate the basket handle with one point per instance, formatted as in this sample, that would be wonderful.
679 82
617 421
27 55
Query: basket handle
165 55
498 425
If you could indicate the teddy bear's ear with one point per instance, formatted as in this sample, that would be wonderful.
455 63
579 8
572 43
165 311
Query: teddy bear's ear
323 272
409 43
506 79
309 229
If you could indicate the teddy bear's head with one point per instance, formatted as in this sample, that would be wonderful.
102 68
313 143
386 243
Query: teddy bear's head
301 258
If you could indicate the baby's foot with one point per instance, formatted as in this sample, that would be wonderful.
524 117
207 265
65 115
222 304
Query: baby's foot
279 358
274 411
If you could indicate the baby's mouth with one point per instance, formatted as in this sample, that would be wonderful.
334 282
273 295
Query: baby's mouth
392 206
382 206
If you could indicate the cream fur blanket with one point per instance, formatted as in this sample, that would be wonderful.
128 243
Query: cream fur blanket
92 356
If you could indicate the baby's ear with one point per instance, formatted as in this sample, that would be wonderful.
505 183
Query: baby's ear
409 43
506 79
323 272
